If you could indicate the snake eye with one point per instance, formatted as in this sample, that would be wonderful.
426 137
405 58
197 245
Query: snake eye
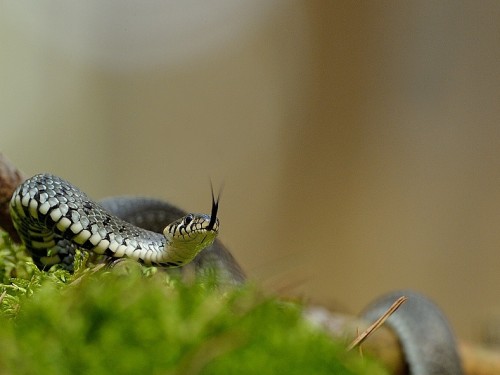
188 219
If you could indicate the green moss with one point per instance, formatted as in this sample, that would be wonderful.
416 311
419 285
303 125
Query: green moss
125 323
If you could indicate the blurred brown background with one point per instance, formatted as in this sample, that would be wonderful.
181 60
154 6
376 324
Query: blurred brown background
359 142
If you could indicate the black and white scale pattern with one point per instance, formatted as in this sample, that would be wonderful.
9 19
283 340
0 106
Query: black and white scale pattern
46 209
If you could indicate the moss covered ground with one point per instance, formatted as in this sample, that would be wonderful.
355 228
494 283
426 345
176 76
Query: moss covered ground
135 320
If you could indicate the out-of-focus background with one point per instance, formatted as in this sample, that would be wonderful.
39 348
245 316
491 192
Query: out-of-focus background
359 143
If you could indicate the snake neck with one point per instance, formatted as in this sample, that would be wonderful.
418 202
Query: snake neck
182 252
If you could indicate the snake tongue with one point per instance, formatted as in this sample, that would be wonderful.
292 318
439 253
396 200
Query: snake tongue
215 208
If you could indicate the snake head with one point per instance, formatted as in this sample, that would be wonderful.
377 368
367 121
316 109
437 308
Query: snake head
189 235
191 226
195 225
192 233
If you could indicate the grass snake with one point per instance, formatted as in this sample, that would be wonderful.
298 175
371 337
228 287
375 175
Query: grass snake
53 217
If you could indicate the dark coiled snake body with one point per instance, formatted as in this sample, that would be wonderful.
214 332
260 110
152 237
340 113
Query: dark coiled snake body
51 215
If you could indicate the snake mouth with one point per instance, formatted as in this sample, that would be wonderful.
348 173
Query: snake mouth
215 208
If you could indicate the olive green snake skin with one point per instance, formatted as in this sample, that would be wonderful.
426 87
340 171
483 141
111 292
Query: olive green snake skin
53 217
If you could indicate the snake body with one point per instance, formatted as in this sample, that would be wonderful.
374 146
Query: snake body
46 209
426 337
51 215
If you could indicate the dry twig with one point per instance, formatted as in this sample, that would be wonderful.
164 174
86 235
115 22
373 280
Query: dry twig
367 332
